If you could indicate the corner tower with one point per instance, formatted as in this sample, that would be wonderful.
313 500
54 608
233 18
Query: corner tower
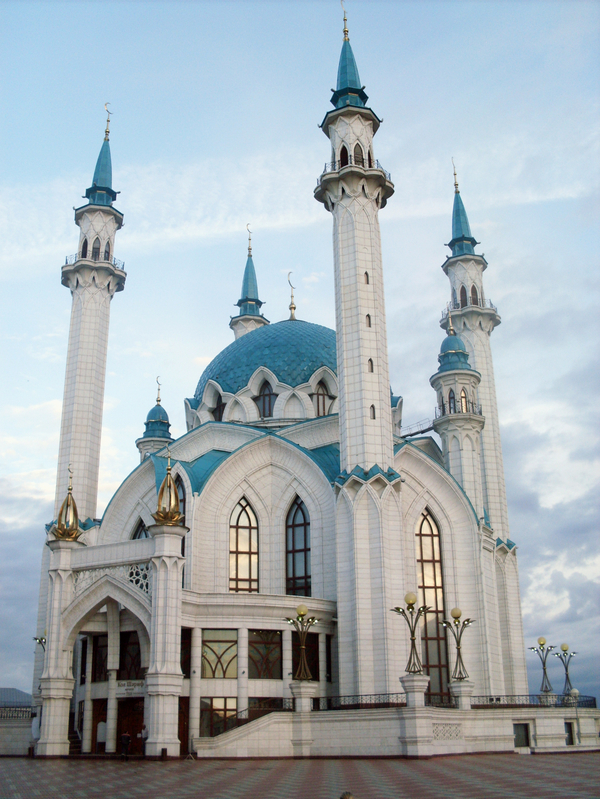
93 276
474 318
353 187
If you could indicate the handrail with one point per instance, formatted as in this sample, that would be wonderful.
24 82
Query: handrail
457 306
72 259
359 702
532 700
227 723
335 166
447 410
17 712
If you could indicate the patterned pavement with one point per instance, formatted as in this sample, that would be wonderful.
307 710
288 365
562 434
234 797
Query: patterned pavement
568 776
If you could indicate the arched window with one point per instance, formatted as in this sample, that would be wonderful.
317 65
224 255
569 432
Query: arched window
84 249
107 252
464 406
322 398
359 158
219 409
451 402
96 250
367 278
463 297
372 412
182 500
370 365
370 159
474 295
368 320
298 550
343 156
265 400
243 549
140 530
434 648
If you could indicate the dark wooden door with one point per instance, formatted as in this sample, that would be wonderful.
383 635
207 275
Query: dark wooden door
130 718
184 724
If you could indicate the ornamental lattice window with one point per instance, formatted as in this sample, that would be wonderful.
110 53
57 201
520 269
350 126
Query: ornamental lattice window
434 649
219 654
298 568
264 655
243 549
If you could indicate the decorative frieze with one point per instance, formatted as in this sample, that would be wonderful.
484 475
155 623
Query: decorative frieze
136 574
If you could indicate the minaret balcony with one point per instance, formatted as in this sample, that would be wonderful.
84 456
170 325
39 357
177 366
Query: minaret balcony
478 303
72 259
336 166
460 407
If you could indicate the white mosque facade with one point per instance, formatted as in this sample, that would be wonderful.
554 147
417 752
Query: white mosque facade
292 485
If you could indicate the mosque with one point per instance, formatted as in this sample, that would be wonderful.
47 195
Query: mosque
294 485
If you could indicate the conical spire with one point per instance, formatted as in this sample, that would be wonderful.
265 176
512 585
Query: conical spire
101 191
249 302
349 89
462 241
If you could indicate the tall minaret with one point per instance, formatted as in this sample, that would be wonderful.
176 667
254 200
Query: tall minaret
249 317
93 275
474 318
353 187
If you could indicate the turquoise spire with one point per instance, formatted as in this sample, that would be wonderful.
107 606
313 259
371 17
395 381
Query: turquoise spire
249 302
101 191
349 89
462 241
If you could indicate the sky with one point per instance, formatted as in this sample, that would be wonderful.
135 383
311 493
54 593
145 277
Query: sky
216 108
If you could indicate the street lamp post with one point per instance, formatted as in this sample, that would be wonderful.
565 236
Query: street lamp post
457 629
565 658
302 625
543 653
414 665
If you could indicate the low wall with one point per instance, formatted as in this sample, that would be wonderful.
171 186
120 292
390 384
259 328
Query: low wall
15 736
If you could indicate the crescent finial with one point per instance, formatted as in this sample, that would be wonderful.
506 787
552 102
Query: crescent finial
292 305
108 113
158 395
249 239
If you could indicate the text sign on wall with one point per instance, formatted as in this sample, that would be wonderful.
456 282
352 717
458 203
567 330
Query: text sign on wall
130 687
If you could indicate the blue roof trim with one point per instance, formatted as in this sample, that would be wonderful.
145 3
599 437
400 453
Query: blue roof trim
327 459
363 474
83 526
508 543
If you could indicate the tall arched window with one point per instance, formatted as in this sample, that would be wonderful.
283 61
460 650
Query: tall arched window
343 156
464 406
434 648
298 550
84 249
265 400
368 319
107 252
322 398
96 250
140 530
243 549
463 297
474 295
181 491
359 158
219 409
451 402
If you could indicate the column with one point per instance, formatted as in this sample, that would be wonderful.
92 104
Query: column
242 672
322 666
286 661
195 683
88 706
112 665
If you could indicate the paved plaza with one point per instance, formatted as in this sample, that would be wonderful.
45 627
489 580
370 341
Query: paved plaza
572 776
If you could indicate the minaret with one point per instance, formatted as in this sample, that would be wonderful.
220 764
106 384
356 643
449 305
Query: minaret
249 317
93 275
474 318
458 419
353 187
156 435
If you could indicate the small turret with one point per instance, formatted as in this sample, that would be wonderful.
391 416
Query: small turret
249 317
157 435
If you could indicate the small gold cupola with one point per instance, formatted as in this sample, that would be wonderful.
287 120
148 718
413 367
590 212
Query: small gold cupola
167 511
67 524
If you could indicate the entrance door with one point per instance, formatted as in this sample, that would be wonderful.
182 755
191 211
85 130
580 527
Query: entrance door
184 724
130 719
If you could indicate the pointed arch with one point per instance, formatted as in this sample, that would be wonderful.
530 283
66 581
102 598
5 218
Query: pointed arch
140 530
370 365
321 399
368 320
96 249
343 156
243 549
451 401
359 156
464 403
219 408
474 295
463 297
265 400
298 565
372 413
107 251
367 278
84 248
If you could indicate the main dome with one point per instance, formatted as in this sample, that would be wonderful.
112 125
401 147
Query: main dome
293 350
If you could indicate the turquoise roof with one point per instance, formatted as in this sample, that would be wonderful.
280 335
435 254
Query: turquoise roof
157 423
101 191
349 89
249 302
462 241
198 471
453 353
293 350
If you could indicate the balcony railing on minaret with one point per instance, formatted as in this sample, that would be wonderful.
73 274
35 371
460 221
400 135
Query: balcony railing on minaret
335 166
72 259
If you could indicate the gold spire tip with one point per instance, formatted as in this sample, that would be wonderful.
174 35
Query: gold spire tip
456 191
249 240
70 487
346 37
158 391
451 331
292 305
108 113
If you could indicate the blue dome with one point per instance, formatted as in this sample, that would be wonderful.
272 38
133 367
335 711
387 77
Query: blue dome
157 423
452 344
293 350
453 354
157 414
